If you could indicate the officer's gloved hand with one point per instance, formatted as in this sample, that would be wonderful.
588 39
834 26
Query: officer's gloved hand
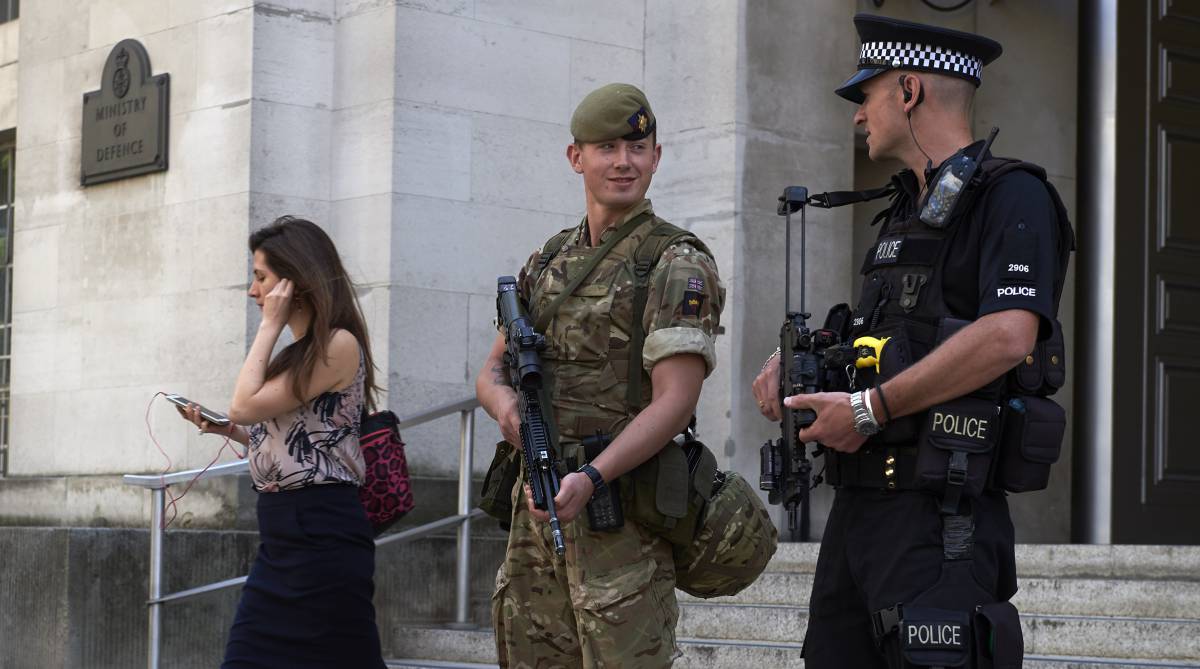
766 389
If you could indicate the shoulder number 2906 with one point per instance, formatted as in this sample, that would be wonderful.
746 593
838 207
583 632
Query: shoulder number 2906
1018 268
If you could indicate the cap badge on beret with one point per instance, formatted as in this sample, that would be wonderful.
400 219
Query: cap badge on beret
640 121
610 112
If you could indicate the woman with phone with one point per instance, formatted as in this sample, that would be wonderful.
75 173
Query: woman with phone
308 599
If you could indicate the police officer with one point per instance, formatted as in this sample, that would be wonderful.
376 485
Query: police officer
918 536
632 371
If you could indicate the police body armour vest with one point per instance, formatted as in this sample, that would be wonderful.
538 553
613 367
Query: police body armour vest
902 296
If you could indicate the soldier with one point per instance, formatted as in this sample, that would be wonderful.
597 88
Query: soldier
961 295
614 366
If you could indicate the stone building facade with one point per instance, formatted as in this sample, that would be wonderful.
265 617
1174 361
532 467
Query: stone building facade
428 137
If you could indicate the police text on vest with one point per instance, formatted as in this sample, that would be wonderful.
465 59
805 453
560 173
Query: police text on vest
888 249
960 426
934 634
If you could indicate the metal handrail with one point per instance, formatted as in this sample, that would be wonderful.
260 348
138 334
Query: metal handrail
157 484
153 481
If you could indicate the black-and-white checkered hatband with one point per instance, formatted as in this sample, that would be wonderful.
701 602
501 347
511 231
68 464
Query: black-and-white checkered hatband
920 56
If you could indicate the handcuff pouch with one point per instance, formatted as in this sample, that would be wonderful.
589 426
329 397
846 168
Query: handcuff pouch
1031 443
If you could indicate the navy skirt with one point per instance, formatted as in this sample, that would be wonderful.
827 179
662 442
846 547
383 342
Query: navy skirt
307 602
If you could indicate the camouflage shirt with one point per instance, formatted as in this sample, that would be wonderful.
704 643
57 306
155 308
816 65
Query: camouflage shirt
587 356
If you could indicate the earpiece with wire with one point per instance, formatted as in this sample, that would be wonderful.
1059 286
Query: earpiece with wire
907 93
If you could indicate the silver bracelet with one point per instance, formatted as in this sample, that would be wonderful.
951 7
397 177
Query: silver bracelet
867 401
771 357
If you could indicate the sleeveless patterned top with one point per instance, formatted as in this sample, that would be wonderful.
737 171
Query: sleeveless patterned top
314 444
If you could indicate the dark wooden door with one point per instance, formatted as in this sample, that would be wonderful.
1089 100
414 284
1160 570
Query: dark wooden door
1156 421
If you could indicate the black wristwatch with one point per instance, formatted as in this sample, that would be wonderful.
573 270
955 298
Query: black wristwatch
594 475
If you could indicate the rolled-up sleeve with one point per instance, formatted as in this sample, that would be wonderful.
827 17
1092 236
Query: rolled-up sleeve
683 307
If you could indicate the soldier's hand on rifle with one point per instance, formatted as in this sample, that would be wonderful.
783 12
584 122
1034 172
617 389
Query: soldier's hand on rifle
509 418
834 427
766 389
574 491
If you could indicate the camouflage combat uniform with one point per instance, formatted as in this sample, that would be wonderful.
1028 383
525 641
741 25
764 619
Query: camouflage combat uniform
610 601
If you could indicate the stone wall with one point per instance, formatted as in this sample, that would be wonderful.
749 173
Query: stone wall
428 136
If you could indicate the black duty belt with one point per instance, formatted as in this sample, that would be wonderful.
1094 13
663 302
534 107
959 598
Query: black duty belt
884 468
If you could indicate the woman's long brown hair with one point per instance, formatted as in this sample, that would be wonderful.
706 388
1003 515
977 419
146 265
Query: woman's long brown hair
299 250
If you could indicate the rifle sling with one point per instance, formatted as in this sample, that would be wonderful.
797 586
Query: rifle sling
544 317
841 198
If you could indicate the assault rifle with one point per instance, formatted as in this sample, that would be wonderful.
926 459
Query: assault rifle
809 363
524 362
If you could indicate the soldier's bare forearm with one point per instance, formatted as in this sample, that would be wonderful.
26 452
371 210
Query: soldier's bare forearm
676 382
491 386
499 375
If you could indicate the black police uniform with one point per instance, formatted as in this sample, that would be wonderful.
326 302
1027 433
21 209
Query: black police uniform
917 560
884 546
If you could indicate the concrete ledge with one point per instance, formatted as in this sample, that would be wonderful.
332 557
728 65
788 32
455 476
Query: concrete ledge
76 597
225 503
105 501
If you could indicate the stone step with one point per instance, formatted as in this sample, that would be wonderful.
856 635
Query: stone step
1102 636
475 650
470 649
437 664
1167 563
1065 596
1074 662
1116 637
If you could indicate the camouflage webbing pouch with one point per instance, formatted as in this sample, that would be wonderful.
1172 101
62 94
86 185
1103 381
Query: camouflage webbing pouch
495 498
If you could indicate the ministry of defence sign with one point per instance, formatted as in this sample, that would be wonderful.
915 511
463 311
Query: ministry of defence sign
125 122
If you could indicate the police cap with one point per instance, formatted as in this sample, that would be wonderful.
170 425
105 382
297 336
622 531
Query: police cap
611 112
889 44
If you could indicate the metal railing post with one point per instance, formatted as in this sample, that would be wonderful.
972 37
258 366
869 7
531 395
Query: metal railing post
154 636
462 591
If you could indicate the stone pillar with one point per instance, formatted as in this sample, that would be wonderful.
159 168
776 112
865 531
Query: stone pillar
745 92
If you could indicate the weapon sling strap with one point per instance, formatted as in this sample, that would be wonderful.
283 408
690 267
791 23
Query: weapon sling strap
544 317
841 198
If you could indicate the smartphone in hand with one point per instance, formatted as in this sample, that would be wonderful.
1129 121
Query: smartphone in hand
205 413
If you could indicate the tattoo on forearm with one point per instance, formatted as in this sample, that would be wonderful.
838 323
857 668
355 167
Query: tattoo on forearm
499 378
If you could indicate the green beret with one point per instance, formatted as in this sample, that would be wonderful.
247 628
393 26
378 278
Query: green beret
612 111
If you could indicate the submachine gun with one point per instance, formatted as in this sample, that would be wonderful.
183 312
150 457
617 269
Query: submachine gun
524 362
811 362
